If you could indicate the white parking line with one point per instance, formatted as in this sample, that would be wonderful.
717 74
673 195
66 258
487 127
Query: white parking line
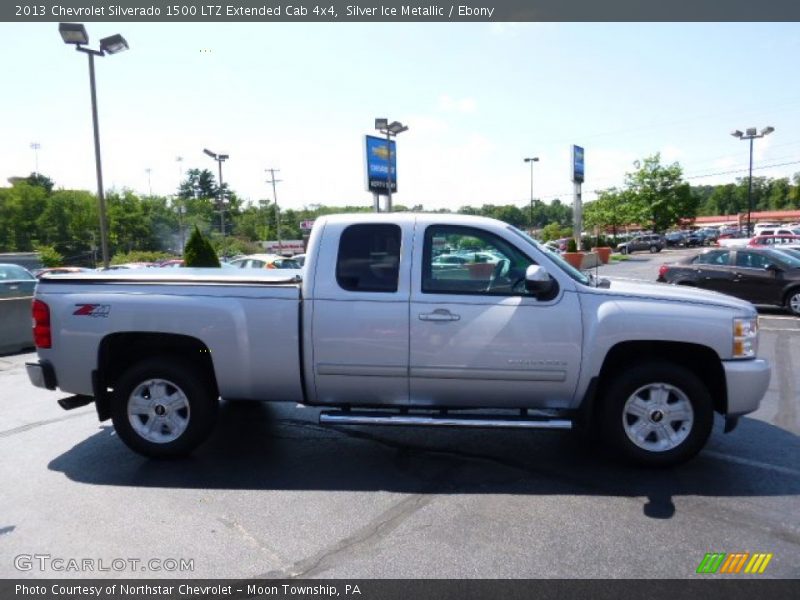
752 463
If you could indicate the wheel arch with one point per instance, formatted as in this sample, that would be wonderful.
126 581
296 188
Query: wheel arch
118 351
700 360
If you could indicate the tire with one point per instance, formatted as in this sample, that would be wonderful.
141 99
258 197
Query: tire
653 249
661 393
793 302
170 428
623 250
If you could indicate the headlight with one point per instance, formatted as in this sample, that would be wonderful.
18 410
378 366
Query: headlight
745 337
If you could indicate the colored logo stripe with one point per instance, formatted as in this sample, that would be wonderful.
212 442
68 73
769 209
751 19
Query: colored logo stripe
734 562
711 562
758 563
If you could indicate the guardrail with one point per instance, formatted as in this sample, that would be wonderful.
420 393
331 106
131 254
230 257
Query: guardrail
16 332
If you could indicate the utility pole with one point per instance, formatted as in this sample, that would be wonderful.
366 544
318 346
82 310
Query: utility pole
273 181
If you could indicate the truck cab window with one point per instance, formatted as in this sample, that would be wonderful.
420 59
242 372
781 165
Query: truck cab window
464 260
369 258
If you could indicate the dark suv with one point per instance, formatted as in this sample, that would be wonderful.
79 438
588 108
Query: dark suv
651 241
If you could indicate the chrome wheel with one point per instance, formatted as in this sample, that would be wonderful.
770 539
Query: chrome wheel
158 411
794 303
658 417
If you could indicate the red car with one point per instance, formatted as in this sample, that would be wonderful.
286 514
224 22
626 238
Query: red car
773 240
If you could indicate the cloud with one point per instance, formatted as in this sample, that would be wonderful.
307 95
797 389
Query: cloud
458 105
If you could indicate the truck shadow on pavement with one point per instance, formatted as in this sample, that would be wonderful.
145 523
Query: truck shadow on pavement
275 447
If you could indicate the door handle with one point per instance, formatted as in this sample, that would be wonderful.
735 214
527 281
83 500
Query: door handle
440 314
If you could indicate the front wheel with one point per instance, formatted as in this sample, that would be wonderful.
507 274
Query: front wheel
793 302
163 407
653 249
657 414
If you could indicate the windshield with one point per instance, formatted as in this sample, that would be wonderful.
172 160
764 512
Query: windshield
555 257
789 259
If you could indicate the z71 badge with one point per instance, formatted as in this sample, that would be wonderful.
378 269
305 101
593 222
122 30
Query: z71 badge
92 310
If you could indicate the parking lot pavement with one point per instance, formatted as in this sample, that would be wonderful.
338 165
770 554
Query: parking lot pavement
275 494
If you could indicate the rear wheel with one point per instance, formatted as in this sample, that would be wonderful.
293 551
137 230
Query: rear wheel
793 302
163 407
657 414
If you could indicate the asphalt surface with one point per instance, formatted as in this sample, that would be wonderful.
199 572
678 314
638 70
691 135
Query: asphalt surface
274 494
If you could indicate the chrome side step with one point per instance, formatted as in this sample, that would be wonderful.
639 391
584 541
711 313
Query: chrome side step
351 417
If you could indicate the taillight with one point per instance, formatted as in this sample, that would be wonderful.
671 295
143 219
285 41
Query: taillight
662 271
41 324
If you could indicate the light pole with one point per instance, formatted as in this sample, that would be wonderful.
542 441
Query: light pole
35 146
75 33
751 133
180 203
273 181
220 158
531 160
392 129
148 170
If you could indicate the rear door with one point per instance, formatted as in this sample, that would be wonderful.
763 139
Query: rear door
359 315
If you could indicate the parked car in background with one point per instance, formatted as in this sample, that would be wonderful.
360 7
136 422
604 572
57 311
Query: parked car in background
300 258
711 234
38 273
651 242
758 275
695 238
779 231
132 265
675 239
265 261
774 240
16 281
172 263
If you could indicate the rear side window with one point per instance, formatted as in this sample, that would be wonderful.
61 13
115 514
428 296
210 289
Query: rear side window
369 258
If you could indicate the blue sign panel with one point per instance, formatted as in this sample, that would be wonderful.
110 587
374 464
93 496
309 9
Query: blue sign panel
380 160
577 164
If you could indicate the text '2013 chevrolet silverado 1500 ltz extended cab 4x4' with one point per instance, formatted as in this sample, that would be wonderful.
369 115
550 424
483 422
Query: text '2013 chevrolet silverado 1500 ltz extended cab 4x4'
403 319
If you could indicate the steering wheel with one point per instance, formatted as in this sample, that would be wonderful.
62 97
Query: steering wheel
501 269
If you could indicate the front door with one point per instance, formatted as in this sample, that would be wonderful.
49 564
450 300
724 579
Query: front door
477 338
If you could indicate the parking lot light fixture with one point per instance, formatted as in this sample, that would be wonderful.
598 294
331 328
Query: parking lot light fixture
751 133
75 34
113 44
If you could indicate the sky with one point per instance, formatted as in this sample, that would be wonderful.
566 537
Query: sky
477 98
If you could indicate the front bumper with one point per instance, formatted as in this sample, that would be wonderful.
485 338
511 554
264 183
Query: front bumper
42 374
747 382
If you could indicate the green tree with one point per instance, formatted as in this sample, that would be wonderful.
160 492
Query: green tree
659 198
611 210
199 252
40 180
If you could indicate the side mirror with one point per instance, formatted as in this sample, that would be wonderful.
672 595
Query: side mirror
538 281
773 269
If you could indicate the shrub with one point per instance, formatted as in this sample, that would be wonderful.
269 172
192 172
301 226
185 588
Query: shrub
49 256
571 245
199 252
137 256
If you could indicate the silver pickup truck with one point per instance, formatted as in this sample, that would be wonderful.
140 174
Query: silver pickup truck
403 319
